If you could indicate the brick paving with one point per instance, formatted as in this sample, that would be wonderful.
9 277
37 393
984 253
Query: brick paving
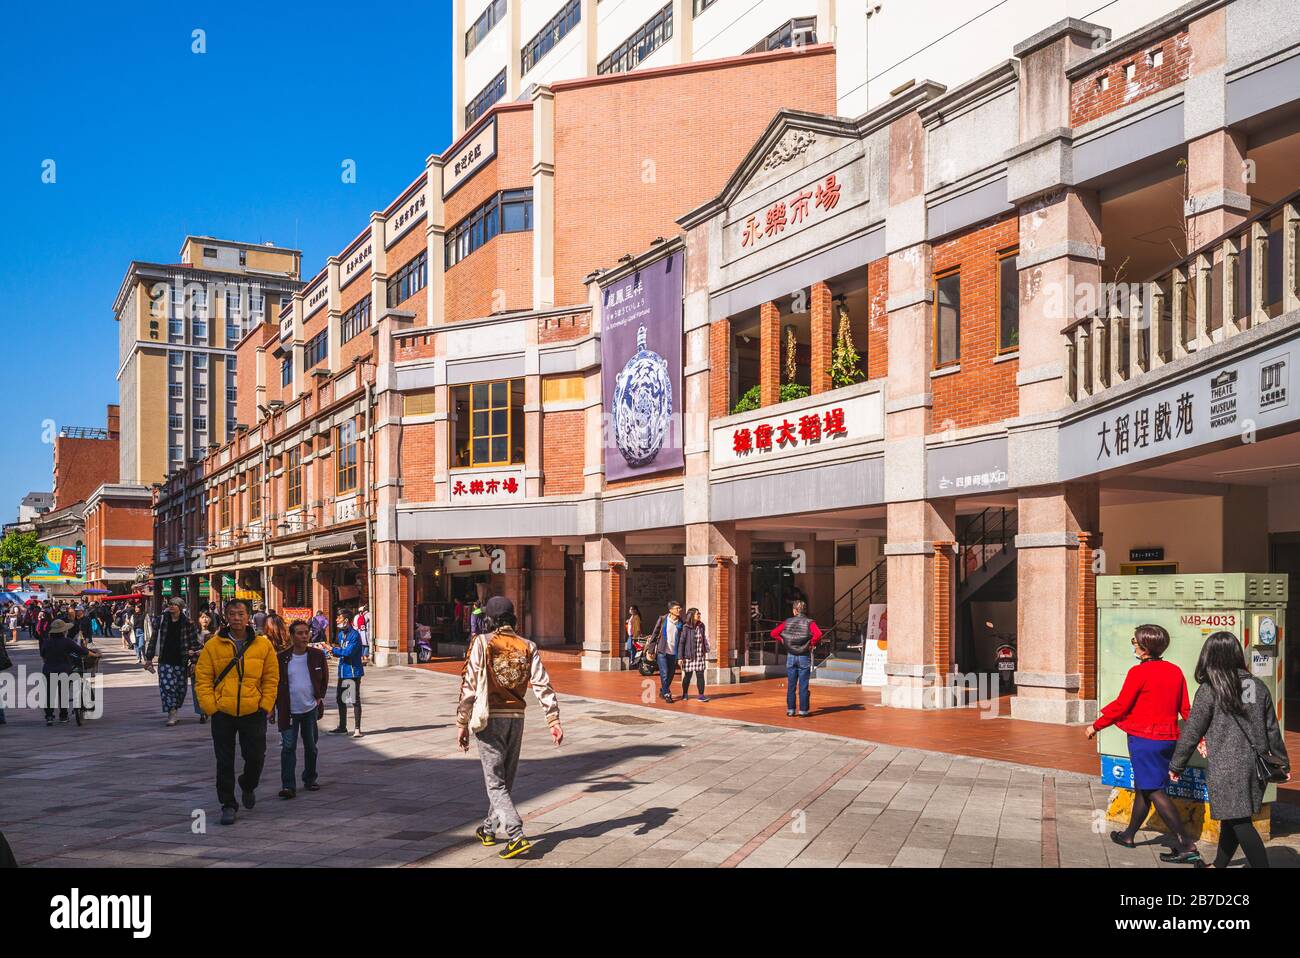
632 786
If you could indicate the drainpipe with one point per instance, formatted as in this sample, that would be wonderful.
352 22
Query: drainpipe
370 522
266 523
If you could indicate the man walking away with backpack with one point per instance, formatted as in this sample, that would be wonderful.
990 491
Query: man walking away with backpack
799 635
237 680
507 665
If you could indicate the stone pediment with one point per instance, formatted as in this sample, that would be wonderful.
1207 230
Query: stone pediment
792 141
792 144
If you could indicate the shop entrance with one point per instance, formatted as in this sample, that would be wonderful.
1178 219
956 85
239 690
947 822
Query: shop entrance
986 596
771 597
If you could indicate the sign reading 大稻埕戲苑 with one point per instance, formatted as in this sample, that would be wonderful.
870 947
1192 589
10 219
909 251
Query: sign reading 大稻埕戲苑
410 210
763 436
1227 400
473 486
641 369
963 469
469 158
1153 554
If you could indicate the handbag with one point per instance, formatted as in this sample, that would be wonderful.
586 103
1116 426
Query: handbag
478 717
1268 766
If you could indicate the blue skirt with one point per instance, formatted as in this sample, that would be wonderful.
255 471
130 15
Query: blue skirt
1150 759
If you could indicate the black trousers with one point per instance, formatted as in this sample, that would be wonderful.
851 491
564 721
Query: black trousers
1240 832
348 692
250 730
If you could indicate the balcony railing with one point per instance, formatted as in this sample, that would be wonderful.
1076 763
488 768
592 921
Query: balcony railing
1234 283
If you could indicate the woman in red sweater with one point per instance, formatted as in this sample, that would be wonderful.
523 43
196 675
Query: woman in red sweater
1153 699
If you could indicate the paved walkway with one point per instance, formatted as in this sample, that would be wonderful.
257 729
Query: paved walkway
631 786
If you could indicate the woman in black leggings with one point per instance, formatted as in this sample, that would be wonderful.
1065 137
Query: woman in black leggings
1233 712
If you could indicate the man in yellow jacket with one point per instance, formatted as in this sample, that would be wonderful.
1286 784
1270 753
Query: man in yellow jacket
235 682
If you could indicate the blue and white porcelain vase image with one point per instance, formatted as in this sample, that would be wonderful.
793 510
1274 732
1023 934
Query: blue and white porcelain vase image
643 402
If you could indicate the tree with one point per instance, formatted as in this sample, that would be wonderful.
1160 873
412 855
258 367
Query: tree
21 553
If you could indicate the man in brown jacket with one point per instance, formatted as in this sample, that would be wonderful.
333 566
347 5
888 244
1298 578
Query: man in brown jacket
511 665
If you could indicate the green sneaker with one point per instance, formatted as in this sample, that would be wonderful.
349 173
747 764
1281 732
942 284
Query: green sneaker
484 836
517 847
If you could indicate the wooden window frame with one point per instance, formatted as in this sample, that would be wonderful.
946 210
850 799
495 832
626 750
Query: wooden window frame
255 493
1005 254
510 430
293 478
345 464
934 319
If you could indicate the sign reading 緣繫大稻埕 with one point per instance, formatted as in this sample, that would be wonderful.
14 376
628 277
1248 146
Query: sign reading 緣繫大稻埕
641 370
1227 400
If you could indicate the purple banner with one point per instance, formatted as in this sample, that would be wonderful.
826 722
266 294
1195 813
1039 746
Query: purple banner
641 370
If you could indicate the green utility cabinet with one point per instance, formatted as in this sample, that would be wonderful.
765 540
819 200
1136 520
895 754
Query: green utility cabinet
1250 605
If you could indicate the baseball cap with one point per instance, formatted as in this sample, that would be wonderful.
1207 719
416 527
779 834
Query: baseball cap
498 606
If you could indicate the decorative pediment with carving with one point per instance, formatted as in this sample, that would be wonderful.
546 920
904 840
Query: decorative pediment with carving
792 144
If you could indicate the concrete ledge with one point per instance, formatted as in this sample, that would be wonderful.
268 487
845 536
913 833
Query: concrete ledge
1217 199
911 670
903 404
1046 540
1039 374
907 549
1070 249
1049 680
904 300
600 662
724 676
1053 711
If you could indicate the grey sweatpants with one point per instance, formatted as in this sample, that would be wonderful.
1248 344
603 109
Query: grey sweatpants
498 750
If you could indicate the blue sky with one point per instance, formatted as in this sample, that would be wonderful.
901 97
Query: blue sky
152 141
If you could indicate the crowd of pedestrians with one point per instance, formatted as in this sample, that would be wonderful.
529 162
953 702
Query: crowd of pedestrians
246 667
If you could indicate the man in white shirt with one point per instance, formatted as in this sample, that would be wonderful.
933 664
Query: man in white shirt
299 706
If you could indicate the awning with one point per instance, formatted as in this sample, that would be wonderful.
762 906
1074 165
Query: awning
334 540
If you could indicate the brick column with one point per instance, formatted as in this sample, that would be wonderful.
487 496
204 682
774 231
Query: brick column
823 337
1217 186
719 368
769 353
943 605
919 553
320 591
547 627
920 575
711 556
603 569
1056 631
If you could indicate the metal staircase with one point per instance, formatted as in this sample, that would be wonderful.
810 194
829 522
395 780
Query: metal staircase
987 546
838 657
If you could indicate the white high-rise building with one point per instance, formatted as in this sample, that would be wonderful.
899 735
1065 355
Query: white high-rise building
503 47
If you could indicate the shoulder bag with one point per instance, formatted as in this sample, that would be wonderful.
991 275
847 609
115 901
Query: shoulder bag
1268 766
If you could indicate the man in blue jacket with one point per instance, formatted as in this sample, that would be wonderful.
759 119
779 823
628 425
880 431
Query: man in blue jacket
347 646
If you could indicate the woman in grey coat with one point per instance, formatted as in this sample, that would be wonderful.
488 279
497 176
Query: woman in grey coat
1234 713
